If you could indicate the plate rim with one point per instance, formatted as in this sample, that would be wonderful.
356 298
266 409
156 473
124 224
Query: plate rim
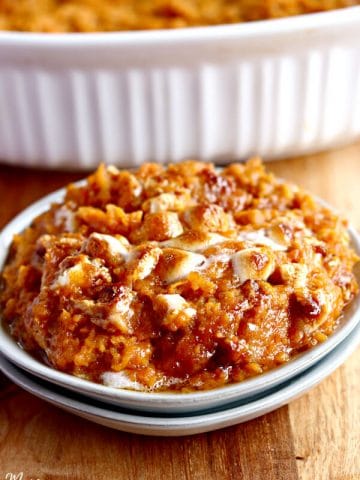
177 426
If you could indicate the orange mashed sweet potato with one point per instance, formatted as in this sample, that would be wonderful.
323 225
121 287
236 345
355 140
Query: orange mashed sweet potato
115 15
178 278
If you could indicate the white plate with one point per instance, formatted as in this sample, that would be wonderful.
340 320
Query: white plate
276 88
160 402
184 425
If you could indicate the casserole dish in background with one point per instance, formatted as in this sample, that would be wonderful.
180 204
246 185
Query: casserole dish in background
276 88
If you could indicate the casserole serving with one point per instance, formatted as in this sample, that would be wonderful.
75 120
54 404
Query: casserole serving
184 278
166 401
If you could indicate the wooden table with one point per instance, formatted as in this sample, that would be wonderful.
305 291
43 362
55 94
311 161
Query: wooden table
316 437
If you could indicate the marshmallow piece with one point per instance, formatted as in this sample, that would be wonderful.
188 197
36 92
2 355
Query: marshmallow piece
177 264
326 301
174 226
280 235
174 302
121 313
294 274
64 217
112 169
120 380
82 273
115 246
195 241
118 313
175 309
259 237
146 263
69 276
254 263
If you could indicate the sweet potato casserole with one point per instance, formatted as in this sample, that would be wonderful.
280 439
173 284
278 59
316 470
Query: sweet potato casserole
178 278
116 15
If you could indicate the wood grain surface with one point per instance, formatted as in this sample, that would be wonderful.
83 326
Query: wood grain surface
316 437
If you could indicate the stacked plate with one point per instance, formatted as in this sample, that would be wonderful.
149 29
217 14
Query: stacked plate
172 414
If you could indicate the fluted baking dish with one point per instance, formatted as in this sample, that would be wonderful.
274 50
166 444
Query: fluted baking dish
275 88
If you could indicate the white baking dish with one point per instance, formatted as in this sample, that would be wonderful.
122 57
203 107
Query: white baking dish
276 88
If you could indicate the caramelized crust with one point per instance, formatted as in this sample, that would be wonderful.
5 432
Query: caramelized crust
178 278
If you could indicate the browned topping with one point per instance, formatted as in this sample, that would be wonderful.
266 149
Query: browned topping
178 278
114 15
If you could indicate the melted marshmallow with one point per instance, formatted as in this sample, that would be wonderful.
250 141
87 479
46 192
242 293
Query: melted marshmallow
120 380
115 246
195 241
182 264
259 237
66 218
